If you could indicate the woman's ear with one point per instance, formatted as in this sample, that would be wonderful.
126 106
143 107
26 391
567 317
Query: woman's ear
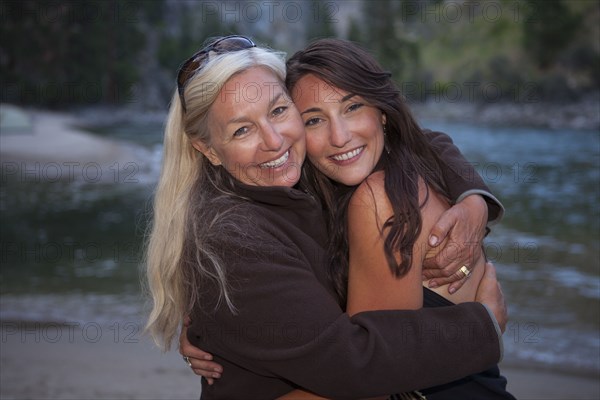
383 118
207 151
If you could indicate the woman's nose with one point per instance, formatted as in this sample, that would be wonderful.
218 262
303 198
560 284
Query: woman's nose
340 134
272 138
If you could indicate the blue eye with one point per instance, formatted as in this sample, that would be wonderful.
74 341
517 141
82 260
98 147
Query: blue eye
240 131
279 110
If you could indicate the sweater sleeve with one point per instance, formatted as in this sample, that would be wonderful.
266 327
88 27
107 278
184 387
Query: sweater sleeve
461 177
289 327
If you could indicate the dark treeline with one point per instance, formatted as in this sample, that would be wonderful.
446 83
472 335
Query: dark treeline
88 52
59 53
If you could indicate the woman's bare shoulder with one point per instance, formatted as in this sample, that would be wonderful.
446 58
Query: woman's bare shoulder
369 204
371 191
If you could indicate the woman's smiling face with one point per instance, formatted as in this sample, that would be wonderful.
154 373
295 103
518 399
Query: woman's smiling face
256 132
344 133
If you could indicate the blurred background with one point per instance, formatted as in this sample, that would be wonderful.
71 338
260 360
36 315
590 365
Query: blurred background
514 82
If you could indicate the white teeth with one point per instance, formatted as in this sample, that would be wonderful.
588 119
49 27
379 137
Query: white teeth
277 163
348 155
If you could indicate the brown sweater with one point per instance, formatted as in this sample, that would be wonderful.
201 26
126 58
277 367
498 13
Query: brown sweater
289 331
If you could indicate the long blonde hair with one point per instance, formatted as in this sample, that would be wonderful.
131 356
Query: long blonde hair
183 169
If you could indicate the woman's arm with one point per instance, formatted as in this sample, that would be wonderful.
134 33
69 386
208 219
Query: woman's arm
367 354
371 284
463 226
461 177
301 395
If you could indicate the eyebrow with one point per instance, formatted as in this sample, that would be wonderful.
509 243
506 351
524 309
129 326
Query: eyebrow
347 97
317 109
243 118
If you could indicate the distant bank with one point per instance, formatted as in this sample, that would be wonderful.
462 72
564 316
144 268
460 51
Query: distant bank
583 114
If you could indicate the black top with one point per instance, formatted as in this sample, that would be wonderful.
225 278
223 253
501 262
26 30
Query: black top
486 385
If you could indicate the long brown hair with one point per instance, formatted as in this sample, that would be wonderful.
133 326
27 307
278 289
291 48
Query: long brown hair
407 157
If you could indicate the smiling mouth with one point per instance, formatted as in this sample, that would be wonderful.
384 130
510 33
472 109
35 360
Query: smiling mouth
348 155
277 163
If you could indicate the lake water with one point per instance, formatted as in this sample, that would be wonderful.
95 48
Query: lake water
70 248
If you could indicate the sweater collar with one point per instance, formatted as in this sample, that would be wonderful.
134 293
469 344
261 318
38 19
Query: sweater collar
275 195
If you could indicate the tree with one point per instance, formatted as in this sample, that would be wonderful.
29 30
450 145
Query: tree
320 22
67 52
385 39
549 26
354 33
193 28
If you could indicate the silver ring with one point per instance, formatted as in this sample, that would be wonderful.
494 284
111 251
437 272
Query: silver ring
465 271
187 360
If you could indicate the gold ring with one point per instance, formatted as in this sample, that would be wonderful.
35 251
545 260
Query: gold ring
187 360
465 270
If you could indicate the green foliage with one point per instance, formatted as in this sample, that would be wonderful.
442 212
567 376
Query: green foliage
354 33
385 39
320 24
68 52
173 50
72 52
177 45
508 56
549 27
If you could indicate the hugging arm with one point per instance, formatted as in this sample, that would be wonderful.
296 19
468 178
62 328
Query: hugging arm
371 283
292 323
461 177
463 225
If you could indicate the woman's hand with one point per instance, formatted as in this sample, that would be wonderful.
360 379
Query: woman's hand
198 360
460 230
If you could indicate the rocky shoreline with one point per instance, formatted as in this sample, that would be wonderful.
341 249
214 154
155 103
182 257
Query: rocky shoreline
580 115
583 114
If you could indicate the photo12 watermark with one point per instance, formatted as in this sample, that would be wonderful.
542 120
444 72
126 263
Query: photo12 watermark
69 171
254 12
65 12
470 11
84 92
70 253
70 332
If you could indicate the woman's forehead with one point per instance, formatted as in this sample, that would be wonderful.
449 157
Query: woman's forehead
312 88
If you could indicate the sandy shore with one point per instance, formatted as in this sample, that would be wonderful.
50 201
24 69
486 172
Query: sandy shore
50 145
89 361
92 361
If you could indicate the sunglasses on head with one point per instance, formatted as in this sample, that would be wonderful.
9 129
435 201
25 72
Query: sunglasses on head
196 62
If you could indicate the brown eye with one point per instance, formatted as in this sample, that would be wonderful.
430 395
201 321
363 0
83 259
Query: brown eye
312 121
355 106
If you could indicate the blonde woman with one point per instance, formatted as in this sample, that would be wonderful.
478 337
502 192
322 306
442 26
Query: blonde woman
238 246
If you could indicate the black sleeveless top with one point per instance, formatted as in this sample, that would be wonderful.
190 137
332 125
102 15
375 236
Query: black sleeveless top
486 385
